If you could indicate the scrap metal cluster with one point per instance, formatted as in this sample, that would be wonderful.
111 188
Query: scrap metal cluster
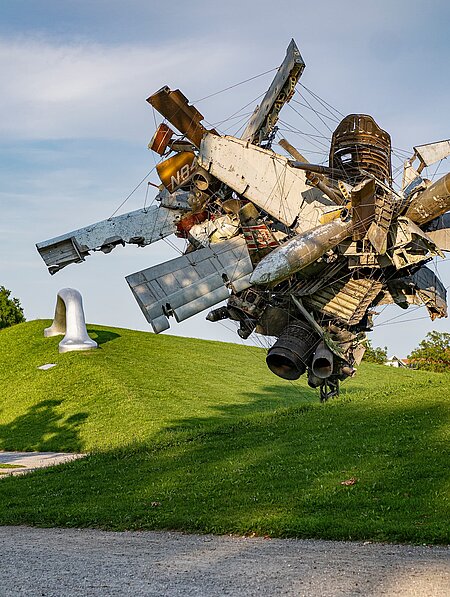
301 252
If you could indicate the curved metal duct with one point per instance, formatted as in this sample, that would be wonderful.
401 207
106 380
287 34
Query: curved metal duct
322 364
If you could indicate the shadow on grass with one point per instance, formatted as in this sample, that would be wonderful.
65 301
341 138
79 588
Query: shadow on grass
268 399
277 473
42 428
102 336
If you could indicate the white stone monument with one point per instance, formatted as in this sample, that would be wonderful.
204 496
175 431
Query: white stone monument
69 320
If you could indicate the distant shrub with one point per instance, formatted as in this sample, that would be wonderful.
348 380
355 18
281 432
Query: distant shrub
10 310
433 353
375 354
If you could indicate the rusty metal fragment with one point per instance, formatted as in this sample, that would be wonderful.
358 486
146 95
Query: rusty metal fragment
363 207
161 139
359 145
430 153
379 228
174 106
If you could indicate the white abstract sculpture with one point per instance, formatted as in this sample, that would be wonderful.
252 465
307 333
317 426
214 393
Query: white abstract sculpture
69 320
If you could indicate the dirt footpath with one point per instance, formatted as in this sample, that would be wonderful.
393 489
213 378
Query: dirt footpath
50 562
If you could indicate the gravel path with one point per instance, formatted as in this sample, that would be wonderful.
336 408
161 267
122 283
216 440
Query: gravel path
26 462
69 562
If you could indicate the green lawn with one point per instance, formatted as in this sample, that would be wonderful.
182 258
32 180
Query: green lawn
200 436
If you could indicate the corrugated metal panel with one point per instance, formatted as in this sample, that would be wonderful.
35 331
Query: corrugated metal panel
346 300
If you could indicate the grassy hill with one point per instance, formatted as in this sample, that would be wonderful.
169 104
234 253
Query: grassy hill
200 436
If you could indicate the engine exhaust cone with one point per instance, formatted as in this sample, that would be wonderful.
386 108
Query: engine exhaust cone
322 365
289 356
313 381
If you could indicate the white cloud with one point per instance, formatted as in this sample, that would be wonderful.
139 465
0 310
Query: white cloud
58 91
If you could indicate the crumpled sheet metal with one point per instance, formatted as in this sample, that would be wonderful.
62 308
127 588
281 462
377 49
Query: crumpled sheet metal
421 287
174 106
430 153
439 231
140 227
264 178
434 201
410 244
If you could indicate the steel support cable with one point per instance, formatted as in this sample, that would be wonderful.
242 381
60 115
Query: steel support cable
309 107
323 150
146 197
317 113
400 151
293 129
310 123
173 246
236 118
305 149
308 138
241 122
132 192
324 103
238 111
236 85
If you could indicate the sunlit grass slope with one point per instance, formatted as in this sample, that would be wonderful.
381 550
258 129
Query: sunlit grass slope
199 436
133 386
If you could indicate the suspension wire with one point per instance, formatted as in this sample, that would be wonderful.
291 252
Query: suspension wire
310 123
325 104
234 117
154 116
238 111
241 121
146 196
235 85
400 151
309 107
406 320
316 112
132 192
172 245
293 129
315 143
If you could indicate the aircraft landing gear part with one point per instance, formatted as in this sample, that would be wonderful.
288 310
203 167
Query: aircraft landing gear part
329 389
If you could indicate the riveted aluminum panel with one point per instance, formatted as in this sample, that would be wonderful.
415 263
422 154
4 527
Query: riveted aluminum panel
177 286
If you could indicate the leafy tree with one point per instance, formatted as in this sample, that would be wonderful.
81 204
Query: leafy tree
10 310
433 353
375 354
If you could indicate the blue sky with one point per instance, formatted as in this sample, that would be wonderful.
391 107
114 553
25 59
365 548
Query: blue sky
75 124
